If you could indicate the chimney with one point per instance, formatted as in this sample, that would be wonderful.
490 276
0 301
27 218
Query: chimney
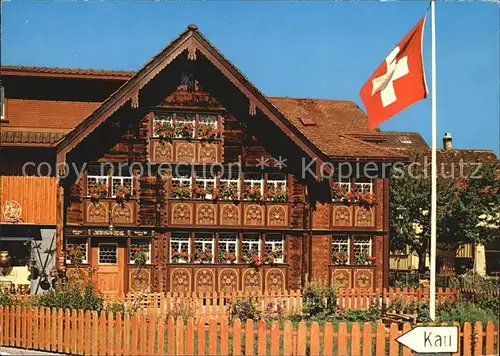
447 141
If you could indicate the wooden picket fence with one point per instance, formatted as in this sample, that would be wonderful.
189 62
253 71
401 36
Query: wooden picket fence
81 332
215 305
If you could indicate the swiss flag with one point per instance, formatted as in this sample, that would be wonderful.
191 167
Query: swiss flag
398 82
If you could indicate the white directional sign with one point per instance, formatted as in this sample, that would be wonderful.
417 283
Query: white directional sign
431 339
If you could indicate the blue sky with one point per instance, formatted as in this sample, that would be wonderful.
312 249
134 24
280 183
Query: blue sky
297 49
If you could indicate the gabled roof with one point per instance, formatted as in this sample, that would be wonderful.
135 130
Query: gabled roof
328 137
192 41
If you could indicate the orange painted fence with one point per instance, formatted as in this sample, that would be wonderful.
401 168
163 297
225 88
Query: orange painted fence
90 333
215 305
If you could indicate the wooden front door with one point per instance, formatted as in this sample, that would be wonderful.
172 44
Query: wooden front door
108 256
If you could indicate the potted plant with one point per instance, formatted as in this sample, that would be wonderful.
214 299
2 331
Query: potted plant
202 193
164 130
253 259
363 258
208 133
180 257
181 191
270 257
338 194
202 256
97 191
74 254
140 256
251 193
340 257
184 130
226 257
122 193
276 193
229 191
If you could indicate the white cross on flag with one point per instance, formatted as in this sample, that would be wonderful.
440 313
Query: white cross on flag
398 82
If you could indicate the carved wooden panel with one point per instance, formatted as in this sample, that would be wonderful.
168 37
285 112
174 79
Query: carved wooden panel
228 280
363 278
140 280
294 261
277 215
342 215
180 280
252 281
162 152
320 252
254 215
184 152
182 214
379 262
123 213
321 216
364 217
206 214
77 276
96 213
207 152
160 260
204 280
341 278
275 280
230 214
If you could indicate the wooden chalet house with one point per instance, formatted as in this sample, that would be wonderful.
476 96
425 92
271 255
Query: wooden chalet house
218 185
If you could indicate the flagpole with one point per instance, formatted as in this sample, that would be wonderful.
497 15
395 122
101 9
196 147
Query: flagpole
432 296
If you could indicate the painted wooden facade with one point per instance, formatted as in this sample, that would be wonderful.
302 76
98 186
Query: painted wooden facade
188 162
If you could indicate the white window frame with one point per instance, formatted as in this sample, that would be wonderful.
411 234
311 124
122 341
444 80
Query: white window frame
252 182
104 179
85 240
274 244
202 239
230 180
162 121
192 122
179 241
234 241
176 181
363 187
203 183
122 180
131 261
99 254
203 123
254 240
342 244
368 243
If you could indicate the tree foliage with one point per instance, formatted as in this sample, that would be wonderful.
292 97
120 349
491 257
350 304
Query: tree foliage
467 209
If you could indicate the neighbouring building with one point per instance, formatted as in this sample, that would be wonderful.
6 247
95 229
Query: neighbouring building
452 163
128 154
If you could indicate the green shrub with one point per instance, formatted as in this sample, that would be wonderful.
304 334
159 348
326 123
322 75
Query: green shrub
423 313
318 301
243 309
115 307
5 298
465 311
74 297
362 315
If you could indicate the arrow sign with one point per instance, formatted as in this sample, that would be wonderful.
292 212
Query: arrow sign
431 339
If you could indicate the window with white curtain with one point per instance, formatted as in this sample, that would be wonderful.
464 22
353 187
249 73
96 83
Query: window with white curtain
180 246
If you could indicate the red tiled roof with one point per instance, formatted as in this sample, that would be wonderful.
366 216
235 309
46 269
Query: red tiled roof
66 72
46 113
333 120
